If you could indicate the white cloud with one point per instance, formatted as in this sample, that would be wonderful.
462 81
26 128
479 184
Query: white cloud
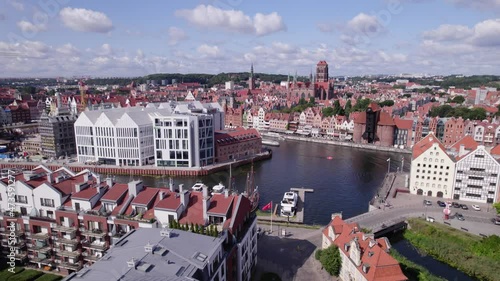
208 16
448 32
209 51
85 20
176 35
487 33
365 24
29 27
18 5
325 27
68 50
105 50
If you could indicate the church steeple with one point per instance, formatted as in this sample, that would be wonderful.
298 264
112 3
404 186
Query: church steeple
251 79
251 70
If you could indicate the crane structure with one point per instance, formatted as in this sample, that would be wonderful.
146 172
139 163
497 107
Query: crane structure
83 94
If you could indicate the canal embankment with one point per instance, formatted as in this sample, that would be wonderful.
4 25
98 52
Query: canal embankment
148 170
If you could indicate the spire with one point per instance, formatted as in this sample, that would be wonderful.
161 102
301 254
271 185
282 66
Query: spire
295 77
251 70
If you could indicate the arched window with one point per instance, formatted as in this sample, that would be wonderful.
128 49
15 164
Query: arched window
437 153
442 160
430 159
432 153
425 159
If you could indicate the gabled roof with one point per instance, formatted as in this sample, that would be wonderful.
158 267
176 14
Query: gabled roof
426 143
116 192
145 196
467 141
495 150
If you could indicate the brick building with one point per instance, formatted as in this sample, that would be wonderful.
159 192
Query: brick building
374 126
237 144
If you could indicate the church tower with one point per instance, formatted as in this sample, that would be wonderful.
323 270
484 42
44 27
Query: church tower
251 80
322 71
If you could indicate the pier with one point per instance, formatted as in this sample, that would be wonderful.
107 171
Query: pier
299 214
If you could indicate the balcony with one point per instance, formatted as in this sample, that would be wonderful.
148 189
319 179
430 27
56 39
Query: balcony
66 229
97 246
14 214
68 254
67 241
94 233
42 218
43 249
97 213
18 244
40 236
91 258
136 218
67 265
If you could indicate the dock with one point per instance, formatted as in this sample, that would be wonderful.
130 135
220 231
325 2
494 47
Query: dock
299 214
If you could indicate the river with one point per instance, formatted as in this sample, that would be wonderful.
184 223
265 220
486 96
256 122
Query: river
344 179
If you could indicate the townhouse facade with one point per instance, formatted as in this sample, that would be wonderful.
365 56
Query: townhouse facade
363 257
67 221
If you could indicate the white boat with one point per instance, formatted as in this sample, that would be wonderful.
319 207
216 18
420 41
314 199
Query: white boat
219 188
289 204
270 142
198 186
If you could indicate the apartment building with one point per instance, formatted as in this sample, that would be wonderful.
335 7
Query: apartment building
364 258
432 168
161 254
67 221
57 135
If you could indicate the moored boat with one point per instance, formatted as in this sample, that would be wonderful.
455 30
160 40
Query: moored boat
289 204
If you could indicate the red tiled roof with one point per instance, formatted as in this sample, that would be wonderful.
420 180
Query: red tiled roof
385 119
495 150
403 124
145 196
67 186
194 212
87 193
116 192
468 142
118 208
426 143
219 204
169 202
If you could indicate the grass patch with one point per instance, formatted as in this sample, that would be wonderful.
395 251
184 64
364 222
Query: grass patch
49 277
413 271
475 256
26 275
270 276
5 274
262 213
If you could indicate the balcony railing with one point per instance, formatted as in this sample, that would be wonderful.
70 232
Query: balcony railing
42 218
90 258
97 213
66 265
96 246
43 250
66 241
39 236
61 228
65 253
94 233
11 214
135 218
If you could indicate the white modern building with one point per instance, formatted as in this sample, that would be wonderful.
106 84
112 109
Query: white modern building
477 177
432 169
126 136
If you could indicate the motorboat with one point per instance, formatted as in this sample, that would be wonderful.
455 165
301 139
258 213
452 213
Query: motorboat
289 204
198 186
270 142
218 189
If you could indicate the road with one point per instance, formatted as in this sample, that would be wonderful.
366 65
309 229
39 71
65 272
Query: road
477 222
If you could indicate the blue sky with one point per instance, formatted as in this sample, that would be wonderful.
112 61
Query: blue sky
128 38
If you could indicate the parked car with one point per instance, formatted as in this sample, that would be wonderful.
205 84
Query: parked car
476 207
464 207
427 202
455 205
441 204
459 216
496 220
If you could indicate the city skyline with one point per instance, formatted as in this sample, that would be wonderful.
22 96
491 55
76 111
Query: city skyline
65 38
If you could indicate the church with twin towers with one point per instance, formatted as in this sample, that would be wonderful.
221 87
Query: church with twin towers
319 86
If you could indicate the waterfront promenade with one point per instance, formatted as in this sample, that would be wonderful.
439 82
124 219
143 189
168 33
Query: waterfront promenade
148 170
347 144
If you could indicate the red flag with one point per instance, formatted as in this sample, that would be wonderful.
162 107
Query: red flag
267 207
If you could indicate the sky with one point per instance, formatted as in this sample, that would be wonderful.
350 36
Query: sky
116 38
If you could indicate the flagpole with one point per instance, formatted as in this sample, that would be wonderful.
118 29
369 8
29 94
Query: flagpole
272 213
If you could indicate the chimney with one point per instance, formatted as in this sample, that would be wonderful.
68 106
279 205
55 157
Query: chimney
162 195
109 182
86 177
185 198
461 150
78 187
226 193
49 177
171 184
206 203
181 188
98 179
336 215
134 187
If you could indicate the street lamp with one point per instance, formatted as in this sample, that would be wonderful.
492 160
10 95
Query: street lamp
388 165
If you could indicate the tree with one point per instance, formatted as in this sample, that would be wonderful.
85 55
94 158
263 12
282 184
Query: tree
330 260
497 207
191 227
458 99
386 103
328 111
312 101
336 107
477 113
